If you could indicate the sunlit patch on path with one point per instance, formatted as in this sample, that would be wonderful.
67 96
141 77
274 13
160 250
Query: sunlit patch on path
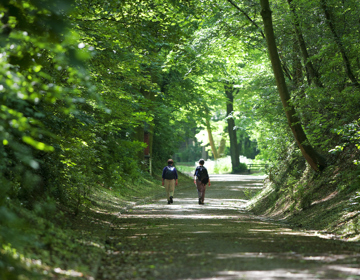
219 240
236 178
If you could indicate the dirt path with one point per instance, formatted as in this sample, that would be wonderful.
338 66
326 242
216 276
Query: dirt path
219 240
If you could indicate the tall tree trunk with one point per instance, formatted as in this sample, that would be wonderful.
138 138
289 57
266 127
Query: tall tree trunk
338 42
234 150
309 153
211 140
310 69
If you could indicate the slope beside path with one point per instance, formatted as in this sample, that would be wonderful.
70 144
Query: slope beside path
218 240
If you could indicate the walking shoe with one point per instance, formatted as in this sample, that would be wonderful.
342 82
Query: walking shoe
200 201
171 199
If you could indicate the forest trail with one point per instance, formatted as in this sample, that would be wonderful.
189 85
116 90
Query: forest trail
219 240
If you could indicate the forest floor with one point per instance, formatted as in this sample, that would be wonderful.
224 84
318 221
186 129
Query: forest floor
218 240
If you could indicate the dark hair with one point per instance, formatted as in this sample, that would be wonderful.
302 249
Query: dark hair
170 161
201 161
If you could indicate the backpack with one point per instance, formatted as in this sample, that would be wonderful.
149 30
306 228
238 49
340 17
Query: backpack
202 174
169 173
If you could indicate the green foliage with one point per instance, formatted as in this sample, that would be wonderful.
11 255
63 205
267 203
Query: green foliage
74 93
219 169
81 81
243 167
349 135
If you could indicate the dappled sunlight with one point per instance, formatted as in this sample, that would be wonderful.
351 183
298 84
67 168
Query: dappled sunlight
42 266
330 196
242 255
243 186
262 274
100 221
234 178
220 240
182 216
227 185
290 232
90 243
71 273
261 230
345 269
189 205
289 255
283 273
274 229
328 258
240 188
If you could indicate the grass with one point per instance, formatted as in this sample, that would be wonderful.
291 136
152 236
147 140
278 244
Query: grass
327 202
185 168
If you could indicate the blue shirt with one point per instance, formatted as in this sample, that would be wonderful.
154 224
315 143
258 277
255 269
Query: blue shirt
174 170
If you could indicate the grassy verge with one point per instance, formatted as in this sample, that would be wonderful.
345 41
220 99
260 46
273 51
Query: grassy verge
327 202
186 168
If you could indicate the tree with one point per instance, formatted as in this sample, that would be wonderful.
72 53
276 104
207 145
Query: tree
331 23
313 74
311 156
234 151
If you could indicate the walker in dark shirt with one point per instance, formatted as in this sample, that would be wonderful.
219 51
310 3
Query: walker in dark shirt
201 178
169 180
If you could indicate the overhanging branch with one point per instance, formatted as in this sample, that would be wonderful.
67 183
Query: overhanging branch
247 16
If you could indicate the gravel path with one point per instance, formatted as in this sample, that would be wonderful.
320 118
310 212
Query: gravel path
219 240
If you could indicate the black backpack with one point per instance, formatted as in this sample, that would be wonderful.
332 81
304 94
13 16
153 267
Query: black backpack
202 174
169 173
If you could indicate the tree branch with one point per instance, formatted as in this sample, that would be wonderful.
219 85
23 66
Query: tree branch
100 19
246 15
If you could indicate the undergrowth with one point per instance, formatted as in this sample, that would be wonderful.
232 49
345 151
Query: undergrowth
327 201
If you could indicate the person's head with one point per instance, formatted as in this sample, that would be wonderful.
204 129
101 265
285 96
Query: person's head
170 161
201 162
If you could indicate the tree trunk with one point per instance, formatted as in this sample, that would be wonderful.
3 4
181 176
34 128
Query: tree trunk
234 150
211 140
222 145
338 42
311 156
310 69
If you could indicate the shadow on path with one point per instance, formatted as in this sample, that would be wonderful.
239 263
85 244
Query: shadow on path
219 240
